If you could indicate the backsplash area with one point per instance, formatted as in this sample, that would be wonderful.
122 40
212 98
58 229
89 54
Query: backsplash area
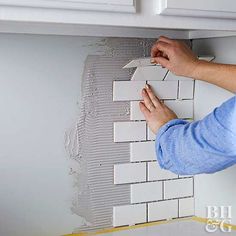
118 181
155 194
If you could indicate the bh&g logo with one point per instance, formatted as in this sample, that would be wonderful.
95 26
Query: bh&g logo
219 218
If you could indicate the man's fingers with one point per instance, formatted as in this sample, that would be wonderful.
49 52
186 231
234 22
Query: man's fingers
162 61
147 101
152 96
144 110
165 39
162 47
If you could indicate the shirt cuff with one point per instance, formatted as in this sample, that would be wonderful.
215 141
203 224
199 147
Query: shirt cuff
164 160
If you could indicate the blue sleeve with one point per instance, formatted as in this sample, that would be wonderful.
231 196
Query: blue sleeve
204 146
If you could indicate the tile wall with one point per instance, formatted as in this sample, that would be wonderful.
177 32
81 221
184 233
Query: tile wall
155 194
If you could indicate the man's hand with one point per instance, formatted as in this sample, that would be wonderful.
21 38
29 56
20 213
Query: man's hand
156 112
174 55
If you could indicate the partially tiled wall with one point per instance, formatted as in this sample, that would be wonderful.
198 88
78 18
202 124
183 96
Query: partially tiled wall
155 194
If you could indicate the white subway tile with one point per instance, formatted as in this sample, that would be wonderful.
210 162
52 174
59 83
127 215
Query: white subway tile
165 89
142 151
185 176
127 90
156 173
206 58
139 62
146 192
170 76
129 131
183 108
186 207
150 134
149 73
186 89
129 215
129 173
178 188
135 112
162 210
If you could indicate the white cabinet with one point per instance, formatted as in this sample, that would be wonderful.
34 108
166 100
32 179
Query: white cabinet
91 5
201 8
182 19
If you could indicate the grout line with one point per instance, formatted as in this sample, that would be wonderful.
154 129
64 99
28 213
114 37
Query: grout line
166 75
163 189
193 186
147 212
178 208
146 171
178 91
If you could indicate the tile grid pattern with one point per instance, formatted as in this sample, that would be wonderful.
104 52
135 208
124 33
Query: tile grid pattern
155 194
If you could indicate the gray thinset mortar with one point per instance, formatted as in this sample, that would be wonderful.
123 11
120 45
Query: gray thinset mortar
92 146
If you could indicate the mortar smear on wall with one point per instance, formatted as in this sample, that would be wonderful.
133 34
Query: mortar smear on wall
91 144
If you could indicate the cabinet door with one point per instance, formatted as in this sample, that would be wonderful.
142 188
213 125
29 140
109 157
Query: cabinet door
199 8
91 5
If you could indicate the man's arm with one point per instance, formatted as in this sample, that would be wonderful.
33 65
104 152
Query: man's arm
179 59
204 146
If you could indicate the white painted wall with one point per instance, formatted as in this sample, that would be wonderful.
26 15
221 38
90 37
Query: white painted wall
40 80
219 188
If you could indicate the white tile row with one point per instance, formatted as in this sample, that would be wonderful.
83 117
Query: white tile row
129 173
178 188
146 192
131 90
142 151
149 73
141 172
127 90
129 131
161 210
156 173
182 108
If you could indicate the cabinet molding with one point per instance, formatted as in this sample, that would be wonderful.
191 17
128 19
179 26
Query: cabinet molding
201 8
124 6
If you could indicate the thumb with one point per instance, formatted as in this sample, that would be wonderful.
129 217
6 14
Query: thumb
163 61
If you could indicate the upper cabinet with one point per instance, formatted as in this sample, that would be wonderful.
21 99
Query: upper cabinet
89 5
200 8
120 18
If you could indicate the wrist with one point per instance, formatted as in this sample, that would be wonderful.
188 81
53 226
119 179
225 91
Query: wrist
197 69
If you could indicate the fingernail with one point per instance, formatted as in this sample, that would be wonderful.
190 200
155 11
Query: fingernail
153 60
147 86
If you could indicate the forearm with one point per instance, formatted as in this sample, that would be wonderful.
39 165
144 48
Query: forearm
205 146
221 75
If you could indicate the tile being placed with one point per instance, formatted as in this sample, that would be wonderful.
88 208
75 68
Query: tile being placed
186 89
162 210
186 207
156 173
139 62
128 90
206 58
165 89
149 73
135 112
129 131
129 215
146 192
183 109
142 151
129 173
178 188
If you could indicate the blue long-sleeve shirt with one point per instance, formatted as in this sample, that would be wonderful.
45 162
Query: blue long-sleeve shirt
204 146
